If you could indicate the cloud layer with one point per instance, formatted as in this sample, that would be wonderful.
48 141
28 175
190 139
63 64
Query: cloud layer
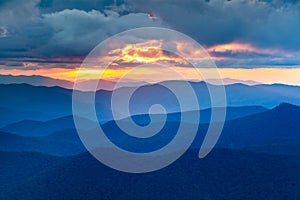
68 32
257 22
53 30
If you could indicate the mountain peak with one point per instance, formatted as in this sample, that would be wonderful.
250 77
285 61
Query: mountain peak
286 107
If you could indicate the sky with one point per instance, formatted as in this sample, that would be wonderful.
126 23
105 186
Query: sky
248 40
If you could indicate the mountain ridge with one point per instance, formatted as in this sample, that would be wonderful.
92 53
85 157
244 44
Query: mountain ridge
252 132
86 178
41 128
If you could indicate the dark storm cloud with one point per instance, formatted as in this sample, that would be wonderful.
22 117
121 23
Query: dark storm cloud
68 32
87 29
262 23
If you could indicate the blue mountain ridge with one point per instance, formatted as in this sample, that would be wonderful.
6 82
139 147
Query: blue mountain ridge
273 131
42 128
47 103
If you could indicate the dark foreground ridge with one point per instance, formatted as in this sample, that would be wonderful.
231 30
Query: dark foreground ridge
223 174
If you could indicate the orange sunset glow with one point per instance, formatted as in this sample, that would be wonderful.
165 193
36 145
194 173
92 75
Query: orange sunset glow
133 55
288 76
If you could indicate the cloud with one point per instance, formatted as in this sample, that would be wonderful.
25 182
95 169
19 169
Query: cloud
261 23
3 32
248 56
50 6
69 32
84 30
45 30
